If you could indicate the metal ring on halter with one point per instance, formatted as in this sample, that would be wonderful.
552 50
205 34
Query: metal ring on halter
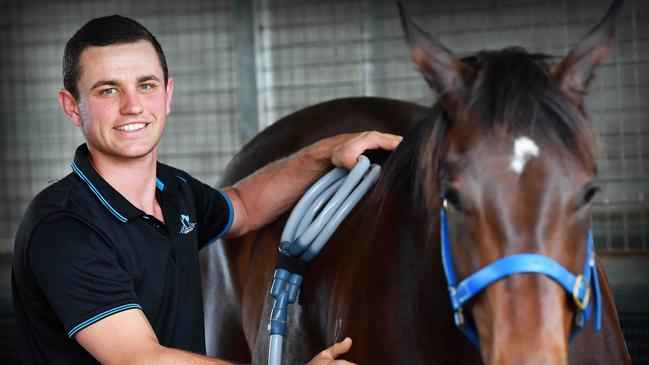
581 304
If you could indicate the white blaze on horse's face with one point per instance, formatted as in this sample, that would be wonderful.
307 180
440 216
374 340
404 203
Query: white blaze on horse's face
524 149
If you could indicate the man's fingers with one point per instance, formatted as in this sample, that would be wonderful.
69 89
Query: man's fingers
386 141
338 348
328 356
349 150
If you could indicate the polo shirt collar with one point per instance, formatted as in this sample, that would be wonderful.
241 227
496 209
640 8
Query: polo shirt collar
166 178
110 198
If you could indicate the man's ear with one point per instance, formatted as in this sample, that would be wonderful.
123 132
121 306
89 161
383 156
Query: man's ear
70 107
170 91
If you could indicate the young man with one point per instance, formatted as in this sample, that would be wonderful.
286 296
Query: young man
106 259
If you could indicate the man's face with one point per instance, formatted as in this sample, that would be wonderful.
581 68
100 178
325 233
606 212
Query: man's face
123 103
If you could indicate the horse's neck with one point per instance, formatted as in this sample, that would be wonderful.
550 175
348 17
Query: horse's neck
404 240
397 258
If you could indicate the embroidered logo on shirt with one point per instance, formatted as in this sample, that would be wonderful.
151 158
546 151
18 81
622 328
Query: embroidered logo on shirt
186 225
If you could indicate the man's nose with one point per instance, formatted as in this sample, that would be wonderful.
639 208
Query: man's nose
130 103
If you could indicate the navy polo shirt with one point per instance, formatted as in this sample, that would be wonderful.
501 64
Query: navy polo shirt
83 252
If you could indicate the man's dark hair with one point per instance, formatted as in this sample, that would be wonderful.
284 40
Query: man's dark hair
104 31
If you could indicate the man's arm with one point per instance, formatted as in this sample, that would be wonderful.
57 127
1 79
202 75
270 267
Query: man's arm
127 338
263 196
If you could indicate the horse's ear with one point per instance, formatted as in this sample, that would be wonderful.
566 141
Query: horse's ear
443 70
575 71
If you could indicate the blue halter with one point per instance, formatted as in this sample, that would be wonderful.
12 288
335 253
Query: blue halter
578 286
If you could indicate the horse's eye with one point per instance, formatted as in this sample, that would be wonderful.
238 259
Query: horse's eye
453 198
589 194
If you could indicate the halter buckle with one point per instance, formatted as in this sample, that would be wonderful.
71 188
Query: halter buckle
458 313
581 303
459 317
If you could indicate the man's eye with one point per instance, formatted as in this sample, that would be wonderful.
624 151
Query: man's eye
109 91
146 87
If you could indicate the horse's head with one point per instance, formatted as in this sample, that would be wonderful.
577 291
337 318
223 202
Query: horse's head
512 155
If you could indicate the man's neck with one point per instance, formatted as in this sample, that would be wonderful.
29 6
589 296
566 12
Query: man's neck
134 178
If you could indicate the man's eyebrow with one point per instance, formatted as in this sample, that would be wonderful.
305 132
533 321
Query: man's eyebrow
112 82
104 82
148 78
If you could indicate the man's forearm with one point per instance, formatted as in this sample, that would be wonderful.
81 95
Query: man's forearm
263 196
165 355
273 189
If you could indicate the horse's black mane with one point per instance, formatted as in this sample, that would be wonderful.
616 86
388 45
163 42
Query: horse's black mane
513 92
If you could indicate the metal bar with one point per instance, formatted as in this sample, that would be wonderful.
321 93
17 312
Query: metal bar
244 42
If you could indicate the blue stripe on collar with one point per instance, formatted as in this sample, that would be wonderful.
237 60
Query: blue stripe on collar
159 184
92 187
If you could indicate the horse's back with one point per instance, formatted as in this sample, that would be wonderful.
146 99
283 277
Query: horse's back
319 121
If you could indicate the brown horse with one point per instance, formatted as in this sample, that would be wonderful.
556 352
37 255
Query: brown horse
509 147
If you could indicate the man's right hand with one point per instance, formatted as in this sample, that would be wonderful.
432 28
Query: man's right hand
127 338
328 356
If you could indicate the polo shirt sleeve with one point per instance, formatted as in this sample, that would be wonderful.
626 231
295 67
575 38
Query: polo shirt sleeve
79 273
214 211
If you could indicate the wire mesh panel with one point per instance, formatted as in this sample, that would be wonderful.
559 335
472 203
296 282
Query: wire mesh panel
311 51
308 52
38 142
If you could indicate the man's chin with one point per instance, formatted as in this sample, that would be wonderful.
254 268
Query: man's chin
131 153
137 153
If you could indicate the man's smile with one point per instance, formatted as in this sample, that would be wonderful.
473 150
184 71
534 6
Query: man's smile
131 127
